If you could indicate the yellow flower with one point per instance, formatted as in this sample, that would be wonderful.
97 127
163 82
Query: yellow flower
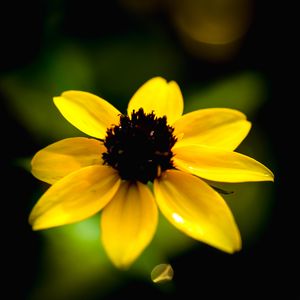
152 143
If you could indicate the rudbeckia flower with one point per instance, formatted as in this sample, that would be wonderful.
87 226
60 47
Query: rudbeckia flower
153 143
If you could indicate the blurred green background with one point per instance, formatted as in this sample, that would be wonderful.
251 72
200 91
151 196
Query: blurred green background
218 52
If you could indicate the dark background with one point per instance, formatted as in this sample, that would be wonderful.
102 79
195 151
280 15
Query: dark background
260 270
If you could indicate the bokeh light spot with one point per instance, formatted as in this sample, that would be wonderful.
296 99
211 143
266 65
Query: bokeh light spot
162 273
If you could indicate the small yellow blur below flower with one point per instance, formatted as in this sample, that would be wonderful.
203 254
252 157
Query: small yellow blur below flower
162 273
152 143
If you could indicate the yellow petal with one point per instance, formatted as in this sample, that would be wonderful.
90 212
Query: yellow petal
128 223
89 113
160 96
219 165
218 127
195 208
66 156
75 197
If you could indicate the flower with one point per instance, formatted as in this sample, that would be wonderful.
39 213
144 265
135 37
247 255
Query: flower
153 143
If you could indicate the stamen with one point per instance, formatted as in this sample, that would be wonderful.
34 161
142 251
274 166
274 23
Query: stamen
139 148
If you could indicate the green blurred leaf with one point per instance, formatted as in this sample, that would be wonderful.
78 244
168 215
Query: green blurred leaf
36 111
68 67
245 92
30 92
74 263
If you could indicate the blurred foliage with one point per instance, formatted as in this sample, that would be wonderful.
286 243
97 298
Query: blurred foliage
246 92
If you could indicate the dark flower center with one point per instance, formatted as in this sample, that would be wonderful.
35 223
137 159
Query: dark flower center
139 148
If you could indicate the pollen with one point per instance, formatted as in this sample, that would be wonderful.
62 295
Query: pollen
140 146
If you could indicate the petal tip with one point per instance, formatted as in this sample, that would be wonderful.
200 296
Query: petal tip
233 250
235 247
33 222
121 265
159 78
56 99
268 175
234 244
36 228
119 260
271 176
238 247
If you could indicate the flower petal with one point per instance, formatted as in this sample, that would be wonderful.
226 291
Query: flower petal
128 223
89 113
160 96
66 156
195 208
219 165
218 127
75 197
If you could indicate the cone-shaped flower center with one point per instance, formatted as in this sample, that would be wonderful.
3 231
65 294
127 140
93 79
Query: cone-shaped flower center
139 148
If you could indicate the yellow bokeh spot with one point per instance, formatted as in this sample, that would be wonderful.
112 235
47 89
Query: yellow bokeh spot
162 273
